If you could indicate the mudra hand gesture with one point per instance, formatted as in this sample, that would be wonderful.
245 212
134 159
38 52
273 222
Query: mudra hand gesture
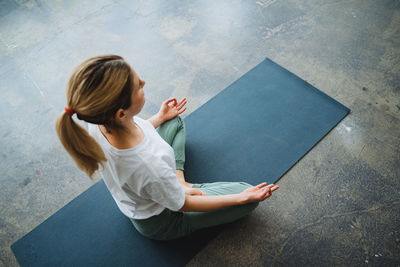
171 108
258 193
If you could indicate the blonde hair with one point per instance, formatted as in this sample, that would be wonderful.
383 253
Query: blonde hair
97 88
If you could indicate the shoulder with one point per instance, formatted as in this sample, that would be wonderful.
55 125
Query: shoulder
144 123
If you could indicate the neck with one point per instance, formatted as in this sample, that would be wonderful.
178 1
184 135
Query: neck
127 128
124 137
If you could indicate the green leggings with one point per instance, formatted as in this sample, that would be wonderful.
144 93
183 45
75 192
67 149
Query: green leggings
171 224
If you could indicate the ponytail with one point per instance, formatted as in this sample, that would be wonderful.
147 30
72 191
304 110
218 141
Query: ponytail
97 88
84 150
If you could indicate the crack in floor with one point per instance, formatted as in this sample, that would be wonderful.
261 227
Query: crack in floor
293 234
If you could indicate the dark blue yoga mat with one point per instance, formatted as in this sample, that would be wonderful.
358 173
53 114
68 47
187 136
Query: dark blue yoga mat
258 128
92 231
254 130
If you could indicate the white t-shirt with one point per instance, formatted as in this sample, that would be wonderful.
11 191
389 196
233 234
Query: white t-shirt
142 179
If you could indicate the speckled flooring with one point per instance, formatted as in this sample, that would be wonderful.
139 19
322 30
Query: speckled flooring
339 206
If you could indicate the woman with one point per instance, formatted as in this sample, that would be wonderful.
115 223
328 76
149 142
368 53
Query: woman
142 161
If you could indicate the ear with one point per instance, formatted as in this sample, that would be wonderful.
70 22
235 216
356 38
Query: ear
120 115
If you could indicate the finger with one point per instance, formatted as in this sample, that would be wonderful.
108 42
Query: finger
181 104
274 188
270 185
261 185
182 100
181 111
196 192
267 191
167 103
201 193
171 100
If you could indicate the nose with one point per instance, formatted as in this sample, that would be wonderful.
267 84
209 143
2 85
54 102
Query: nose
142 83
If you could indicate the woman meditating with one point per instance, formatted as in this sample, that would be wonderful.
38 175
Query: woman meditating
142 161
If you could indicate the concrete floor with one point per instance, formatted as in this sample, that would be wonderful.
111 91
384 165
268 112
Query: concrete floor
338 206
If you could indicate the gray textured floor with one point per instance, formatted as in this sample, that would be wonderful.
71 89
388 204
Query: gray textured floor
338 206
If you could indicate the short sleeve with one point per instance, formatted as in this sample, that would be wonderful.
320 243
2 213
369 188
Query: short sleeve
166 191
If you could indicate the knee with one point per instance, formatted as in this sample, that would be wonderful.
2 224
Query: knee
175 123
179 122
245 185
245 209
253 205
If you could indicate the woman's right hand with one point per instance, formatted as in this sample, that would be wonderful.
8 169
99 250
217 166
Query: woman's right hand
258 193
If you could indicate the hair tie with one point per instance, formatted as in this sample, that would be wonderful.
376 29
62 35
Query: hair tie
69 111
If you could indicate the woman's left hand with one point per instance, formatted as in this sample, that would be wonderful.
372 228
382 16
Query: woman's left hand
193 191
171 108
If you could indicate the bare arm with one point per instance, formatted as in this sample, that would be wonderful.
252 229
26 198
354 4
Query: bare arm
208 203
156 120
